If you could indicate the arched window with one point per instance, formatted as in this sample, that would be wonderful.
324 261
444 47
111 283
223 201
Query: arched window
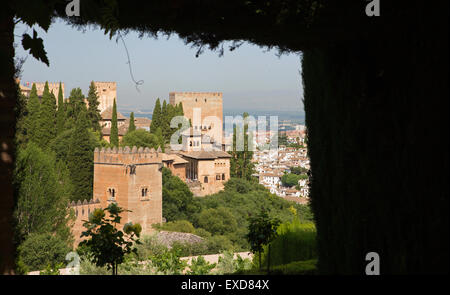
223 176
111 193
205 180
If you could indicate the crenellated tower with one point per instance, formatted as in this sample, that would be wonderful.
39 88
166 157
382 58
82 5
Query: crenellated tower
107 92
133 179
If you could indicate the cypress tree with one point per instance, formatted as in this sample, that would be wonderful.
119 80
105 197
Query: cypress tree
156 117
131 127
114 135
21 115
47 119
32 118
165 121
60 113
73 107
180 111
93 111
80 158
240 162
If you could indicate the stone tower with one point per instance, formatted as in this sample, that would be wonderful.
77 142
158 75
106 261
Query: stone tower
107 92
204 109
133 179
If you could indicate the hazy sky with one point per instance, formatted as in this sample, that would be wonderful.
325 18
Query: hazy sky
249 77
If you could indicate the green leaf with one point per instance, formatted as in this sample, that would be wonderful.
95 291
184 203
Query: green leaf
36 47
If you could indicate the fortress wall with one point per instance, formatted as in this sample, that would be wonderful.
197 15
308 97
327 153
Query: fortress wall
52 87
82 211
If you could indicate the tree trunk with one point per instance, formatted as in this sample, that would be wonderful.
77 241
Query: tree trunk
377 119
8 96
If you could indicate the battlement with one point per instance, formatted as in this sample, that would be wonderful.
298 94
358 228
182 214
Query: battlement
109 85
80 204
218 94
127 155
52 87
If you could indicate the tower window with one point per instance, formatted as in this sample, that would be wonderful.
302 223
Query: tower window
205 180
223 176
112 193
144 192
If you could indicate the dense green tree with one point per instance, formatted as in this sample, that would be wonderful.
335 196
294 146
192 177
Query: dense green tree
298 170
159 135
61 112
93 111
32 118
242 152
131 126
21 137
156 117
141 138
178 200
43 191
290 179
73 106
80 157
218 221
40 250
165 121
114 135
47 119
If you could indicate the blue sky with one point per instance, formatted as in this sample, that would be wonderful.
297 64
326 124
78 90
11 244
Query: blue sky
249 77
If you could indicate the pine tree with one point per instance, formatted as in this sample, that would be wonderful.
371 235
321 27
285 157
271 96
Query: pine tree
131 127
80 159
114 135
60 113
47 119
156 117
93 111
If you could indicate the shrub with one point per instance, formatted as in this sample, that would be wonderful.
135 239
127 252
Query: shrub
183 226
228 265
296 241
308 267
199 266
40 250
